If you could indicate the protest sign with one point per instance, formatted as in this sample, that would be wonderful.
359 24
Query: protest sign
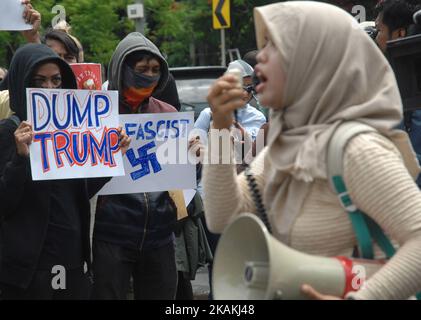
88 75
75 133
12 16
157 159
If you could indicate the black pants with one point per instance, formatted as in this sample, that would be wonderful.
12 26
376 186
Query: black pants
154 272
78 286
184 288
213 239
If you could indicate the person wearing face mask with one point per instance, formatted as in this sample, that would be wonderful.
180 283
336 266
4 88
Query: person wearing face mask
133 233
43 223
168 94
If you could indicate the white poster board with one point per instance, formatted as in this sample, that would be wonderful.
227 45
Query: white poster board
12 16
75 133
157 159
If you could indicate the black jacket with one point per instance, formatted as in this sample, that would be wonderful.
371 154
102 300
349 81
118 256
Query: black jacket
139 221
25 204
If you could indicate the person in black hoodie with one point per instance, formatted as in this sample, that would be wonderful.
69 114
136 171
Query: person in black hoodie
44 224
133 233
169 94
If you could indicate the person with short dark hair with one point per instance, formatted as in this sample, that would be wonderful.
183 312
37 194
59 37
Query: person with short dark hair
250 57
66 28
63 45
395 21
394 17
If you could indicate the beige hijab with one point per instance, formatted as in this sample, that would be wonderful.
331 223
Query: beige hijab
334 72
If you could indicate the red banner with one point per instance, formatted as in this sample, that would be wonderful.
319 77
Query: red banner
88 75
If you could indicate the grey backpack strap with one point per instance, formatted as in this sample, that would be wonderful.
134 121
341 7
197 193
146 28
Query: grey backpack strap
337 144
365 228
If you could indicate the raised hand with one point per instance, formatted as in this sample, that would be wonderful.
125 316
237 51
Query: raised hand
224 97
33 17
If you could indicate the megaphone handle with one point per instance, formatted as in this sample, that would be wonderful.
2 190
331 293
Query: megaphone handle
255 193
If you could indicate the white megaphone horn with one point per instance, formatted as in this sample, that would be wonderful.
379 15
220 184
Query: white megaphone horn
251 264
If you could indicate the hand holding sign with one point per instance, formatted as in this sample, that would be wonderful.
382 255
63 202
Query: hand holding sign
23 138
124 140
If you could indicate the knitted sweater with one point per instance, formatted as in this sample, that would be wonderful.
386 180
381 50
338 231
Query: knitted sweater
378 184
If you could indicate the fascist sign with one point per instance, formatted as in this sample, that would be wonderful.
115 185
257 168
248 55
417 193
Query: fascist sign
157 159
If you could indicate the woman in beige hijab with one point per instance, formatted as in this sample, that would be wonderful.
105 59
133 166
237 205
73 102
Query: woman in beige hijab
317 70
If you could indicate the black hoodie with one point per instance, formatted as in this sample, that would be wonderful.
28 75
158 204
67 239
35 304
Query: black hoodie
22 67
135 41
25 205
142 221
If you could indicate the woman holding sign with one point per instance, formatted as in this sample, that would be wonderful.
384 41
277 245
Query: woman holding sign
45 224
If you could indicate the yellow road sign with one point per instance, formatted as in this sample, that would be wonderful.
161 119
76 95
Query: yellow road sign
221 14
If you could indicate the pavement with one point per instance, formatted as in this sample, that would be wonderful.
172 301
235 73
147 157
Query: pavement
201 284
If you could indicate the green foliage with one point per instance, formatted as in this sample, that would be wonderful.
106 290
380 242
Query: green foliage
197 30
99 25
181 29
169 26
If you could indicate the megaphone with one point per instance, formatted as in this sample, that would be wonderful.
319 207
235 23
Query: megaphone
250 264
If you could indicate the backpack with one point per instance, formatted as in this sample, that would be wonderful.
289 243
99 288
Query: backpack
365 228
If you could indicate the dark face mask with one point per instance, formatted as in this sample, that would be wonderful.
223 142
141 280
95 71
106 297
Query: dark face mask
132 79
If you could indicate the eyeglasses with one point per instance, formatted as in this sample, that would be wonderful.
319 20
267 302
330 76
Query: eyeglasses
248 88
